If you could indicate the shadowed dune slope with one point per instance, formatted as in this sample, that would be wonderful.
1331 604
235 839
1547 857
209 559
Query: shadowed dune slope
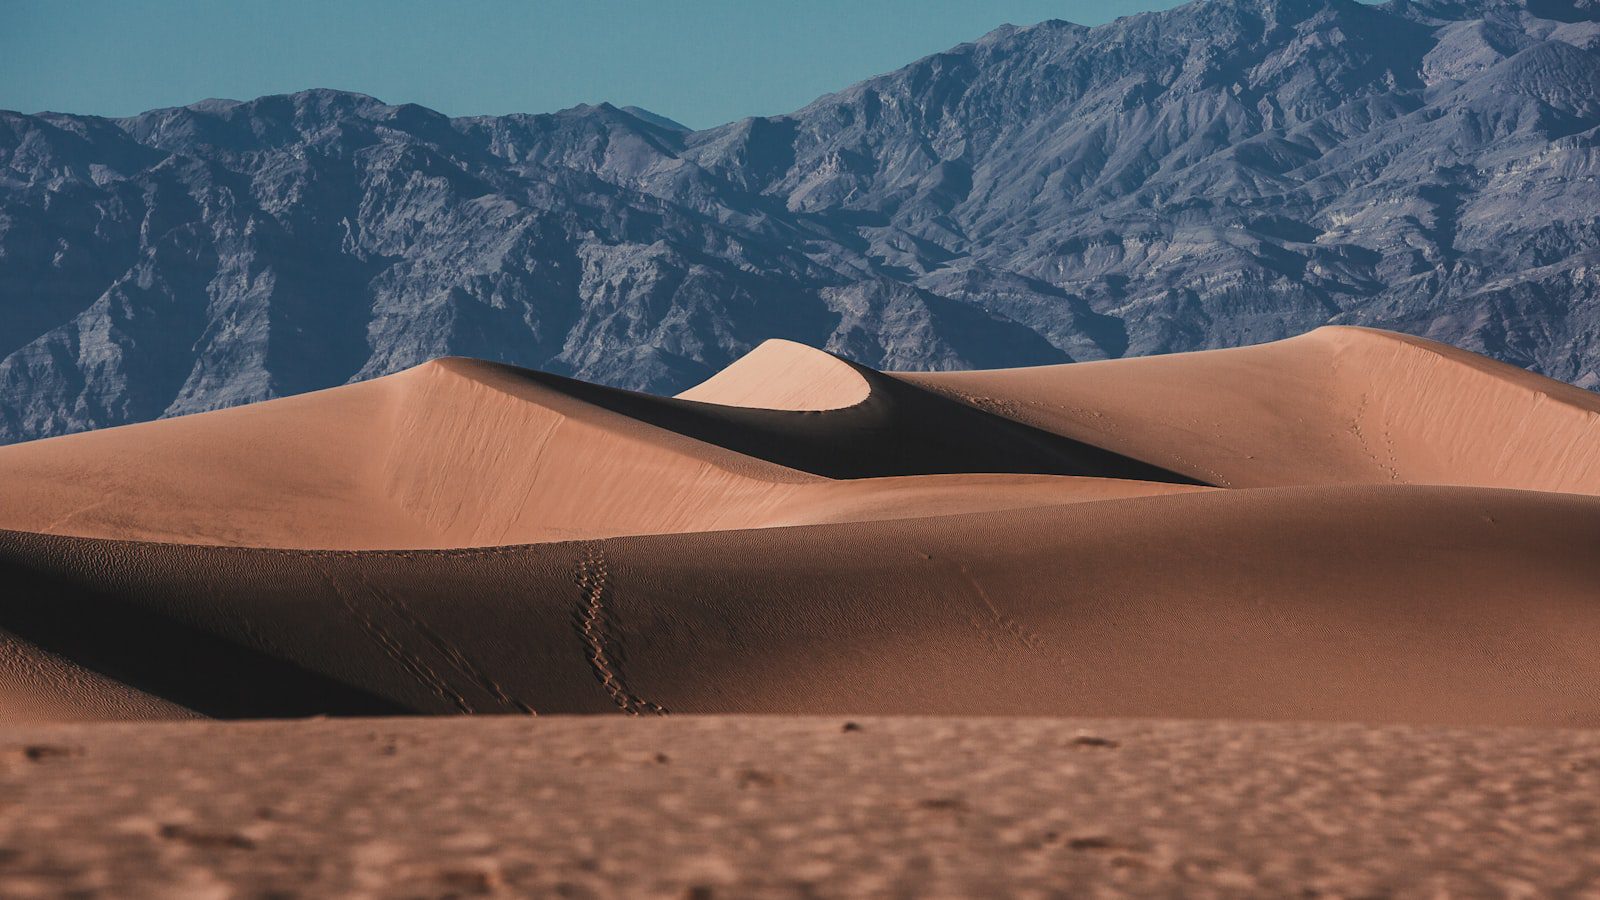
1337 405
39 686
1379 603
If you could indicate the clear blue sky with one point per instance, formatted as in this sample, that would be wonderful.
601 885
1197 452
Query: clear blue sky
702 62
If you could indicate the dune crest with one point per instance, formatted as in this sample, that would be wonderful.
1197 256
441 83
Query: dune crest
1337 405
785 375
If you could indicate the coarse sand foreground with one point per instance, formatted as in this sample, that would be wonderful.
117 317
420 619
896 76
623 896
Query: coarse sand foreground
742 806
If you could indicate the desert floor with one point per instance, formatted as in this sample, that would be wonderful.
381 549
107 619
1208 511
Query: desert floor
741 806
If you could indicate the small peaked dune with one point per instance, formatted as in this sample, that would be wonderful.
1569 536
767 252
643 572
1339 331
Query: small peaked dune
782 374
898 430
1338 405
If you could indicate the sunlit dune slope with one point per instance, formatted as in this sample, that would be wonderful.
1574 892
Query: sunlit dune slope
785 375
1337 405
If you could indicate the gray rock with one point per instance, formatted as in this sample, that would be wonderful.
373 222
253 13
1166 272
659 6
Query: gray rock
1226 172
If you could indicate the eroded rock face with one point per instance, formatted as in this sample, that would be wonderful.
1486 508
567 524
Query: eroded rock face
1227 172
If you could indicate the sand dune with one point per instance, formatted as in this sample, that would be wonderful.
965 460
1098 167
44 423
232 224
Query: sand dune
1348 525
462 453
1334 406
1392 604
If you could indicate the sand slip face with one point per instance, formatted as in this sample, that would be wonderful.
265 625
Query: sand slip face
1389 604
1345 525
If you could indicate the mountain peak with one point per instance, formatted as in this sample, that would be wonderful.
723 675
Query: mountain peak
656 119
1222 173
1465 10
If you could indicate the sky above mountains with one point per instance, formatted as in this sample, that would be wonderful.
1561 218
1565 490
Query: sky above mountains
701 62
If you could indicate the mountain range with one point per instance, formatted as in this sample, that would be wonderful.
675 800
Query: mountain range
1227 172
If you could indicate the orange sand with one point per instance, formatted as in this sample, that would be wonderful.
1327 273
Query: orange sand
1347 525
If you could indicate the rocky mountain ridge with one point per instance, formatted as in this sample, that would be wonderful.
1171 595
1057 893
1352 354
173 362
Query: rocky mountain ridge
1227 172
